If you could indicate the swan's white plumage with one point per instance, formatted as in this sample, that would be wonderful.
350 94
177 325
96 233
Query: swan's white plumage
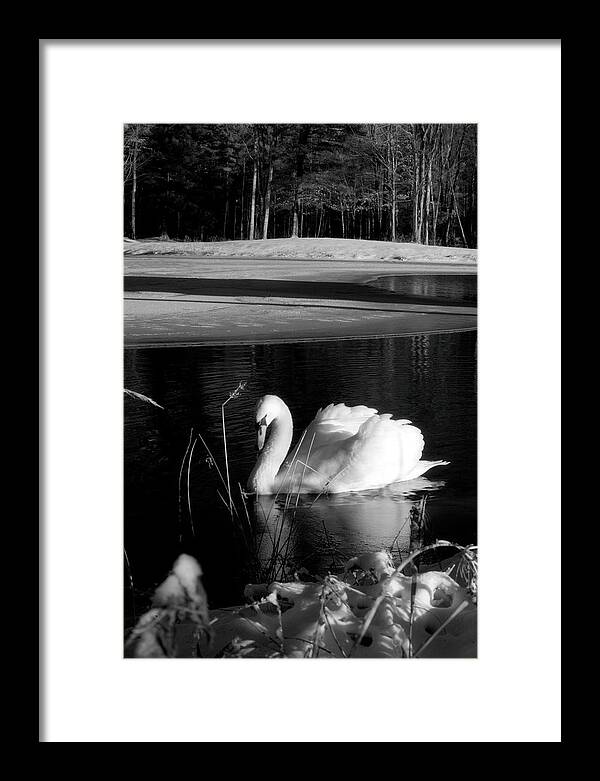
332 424
343 449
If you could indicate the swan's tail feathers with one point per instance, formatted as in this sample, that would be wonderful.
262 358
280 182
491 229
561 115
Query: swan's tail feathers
424 466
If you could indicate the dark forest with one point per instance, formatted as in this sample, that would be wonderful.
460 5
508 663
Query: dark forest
224 182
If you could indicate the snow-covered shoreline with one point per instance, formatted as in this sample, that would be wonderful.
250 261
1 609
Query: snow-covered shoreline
305 249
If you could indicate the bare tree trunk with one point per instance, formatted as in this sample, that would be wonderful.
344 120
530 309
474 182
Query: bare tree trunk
436 211
133 197
459 220
393 205
303 136
254 182
449 225
268 197
295 212
416 185
392 177
428 202
134 182
226 214
242 203
422 192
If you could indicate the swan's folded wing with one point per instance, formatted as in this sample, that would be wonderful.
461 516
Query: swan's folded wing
381 452
334 423
388 449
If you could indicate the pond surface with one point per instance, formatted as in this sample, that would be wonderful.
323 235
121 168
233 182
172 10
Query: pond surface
430 379
441 288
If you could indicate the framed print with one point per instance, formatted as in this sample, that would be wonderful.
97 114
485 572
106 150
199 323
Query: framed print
298 313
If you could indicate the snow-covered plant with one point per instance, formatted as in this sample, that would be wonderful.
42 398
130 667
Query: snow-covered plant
179 598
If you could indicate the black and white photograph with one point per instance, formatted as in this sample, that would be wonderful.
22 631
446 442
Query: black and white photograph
301 390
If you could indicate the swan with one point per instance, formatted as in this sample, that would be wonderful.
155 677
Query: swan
343 449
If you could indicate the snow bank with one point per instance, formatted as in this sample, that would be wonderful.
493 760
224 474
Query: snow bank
305 249
372 610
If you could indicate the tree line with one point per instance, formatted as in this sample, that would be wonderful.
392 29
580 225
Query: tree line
414 182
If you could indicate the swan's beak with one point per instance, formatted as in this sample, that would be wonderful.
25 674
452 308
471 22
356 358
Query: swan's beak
261 433
261 436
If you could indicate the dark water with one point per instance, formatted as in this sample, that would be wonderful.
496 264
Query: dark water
429 379
450 288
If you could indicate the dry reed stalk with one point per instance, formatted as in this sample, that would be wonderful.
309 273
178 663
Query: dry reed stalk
226 455
233 395
188 487
329 482
287 547
141 397
222 479
292 461
179 482
243 498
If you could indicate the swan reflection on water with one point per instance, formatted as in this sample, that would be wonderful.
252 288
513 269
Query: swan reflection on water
322 532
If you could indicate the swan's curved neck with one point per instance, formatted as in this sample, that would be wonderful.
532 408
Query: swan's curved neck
263 480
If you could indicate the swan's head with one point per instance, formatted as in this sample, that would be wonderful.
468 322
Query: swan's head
267 409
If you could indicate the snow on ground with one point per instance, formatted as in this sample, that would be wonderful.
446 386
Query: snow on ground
313 249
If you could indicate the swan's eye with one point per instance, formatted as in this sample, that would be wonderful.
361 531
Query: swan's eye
261 422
